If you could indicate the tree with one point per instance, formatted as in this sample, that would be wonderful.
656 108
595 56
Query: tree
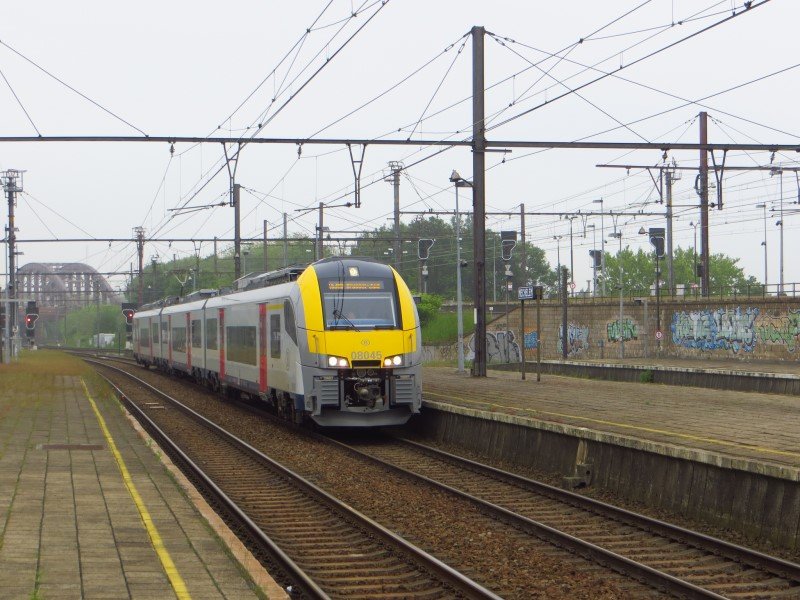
638 269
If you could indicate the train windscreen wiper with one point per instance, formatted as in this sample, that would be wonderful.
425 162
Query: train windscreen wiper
338 315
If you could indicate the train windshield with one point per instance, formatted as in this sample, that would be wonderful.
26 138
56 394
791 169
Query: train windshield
360 304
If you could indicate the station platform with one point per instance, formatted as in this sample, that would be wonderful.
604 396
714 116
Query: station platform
745 426
730 456
89 510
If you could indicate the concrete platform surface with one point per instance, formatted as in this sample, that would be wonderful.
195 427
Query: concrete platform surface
87 509
749 431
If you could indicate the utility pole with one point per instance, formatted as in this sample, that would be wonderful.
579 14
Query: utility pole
140 252
285 243
396 168
319 233
216 270
266 260
670 176
11 187
237 234
479 199
571 255
704 246
523 261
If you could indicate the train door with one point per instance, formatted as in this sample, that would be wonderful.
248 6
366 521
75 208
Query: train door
221 344
169 339
262 348
188 342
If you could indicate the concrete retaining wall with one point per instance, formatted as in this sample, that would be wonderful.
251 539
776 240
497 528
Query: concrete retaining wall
719 379
761 500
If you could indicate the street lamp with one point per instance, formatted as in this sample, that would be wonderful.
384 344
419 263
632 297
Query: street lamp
779 171
618 235
764 243
557 238
459 182
602 247
593 227
245 253
571 218
694 225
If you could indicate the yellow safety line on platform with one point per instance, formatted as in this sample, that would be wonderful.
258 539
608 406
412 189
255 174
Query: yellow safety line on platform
625 426
155 538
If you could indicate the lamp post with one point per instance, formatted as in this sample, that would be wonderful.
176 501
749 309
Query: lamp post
571 218
594 262
602 247
764 243
459 182
618 235
557 238
780 223
694 225
245 252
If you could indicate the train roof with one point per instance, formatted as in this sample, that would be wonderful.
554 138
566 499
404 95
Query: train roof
250 288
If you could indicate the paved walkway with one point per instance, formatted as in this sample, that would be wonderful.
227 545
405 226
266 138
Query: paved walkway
711 364
87 510
760 428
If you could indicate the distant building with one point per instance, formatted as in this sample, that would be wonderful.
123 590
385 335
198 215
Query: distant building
106 340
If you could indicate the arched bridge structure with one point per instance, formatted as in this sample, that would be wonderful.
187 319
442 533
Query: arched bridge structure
64 284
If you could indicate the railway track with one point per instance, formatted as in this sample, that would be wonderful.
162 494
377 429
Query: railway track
682 562
327 548
665 557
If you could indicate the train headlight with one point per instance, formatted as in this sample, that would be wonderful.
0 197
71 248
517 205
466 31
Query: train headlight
393 361
338 361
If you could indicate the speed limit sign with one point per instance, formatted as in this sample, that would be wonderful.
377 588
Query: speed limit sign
659 334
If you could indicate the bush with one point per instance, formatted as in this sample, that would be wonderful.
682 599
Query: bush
428 307
646 376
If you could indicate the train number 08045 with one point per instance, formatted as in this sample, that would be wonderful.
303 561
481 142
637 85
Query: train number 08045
362 355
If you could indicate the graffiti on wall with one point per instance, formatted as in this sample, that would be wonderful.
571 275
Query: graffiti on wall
780 329
627 331
577 339
501 347
721 329
531 340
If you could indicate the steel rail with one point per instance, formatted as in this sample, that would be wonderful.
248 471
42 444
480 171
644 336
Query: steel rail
617 562
735 552
459 582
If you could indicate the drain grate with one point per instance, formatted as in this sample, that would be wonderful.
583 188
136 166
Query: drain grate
70 447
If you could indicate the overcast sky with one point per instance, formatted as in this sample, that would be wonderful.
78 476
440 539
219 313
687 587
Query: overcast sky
185 68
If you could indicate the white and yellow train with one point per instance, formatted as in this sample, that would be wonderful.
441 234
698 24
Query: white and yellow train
338 343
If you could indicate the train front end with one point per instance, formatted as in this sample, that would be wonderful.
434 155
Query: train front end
361 360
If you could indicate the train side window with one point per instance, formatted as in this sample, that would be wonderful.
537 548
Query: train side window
275 336
241 344
179 339
196 334
144 337
212 328
289 323
154 329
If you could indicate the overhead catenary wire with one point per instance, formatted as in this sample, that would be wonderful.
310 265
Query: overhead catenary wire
22 106
68 86
636 61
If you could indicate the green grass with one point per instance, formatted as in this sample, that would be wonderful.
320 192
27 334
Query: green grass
444 328
39 372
